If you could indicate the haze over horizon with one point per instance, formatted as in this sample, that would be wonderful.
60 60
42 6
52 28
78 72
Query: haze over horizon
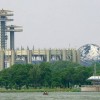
55 23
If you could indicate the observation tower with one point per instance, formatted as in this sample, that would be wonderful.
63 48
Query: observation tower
12 29
3 19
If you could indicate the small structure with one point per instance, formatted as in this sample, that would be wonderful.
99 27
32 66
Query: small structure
95 80
95 87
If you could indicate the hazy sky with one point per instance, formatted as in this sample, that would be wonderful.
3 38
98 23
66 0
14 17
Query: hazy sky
55 23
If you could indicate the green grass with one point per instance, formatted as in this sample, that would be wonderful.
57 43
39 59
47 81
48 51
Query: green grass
42 90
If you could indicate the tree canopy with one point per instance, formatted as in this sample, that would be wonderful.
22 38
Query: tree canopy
57 74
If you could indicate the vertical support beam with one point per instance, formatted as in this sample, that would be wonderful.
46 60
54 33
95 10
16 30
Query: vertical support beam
12 40
44 57
48 53
78 57
29 56
69 55
12 57
12 29
56 55
8 53
74 56
64 55
3 37
9 61
1 60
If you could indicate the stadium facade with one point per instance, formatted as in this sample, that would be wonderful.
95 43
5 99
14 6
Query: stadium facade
8 57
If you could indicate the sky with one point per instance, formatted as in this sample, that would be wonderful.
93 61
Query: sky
55 23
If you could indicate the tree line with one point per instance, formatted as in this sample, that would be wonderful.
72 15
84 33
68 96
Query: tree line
57 74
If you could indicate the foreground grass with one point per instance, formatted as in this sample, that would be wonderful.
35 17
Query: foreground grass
42 90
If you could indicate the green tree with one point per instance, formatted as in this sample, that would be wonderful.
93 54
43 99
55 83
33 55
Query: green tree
34 75
46 75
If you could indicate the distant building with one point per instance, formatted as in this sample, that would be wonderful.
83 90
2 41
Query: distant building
3 19
11 56
95 80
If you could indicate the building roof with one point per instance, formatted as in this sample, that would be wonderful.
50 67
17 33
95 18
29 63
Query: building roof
94 78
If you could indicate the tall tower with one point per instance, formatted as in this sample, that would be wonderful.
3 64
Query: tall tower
3 19
12 29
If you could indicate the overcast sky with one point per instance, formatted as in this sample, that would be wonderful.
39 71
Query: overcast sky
55 23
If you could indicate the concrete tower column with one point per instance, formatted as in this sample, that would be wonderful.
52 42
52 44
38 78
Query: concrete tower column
8 53
12 29
12 40
63 54
1 60
74 56
29 56
12 57
3 19
78 57
48 54
69 55
9 61
3 35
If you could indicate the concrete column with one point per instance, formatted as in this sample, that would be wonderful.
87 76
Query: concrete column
29 56
74 56
48 54
44 57
1 60
69 55
12 57
12 40
9 61
78 57
63 54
